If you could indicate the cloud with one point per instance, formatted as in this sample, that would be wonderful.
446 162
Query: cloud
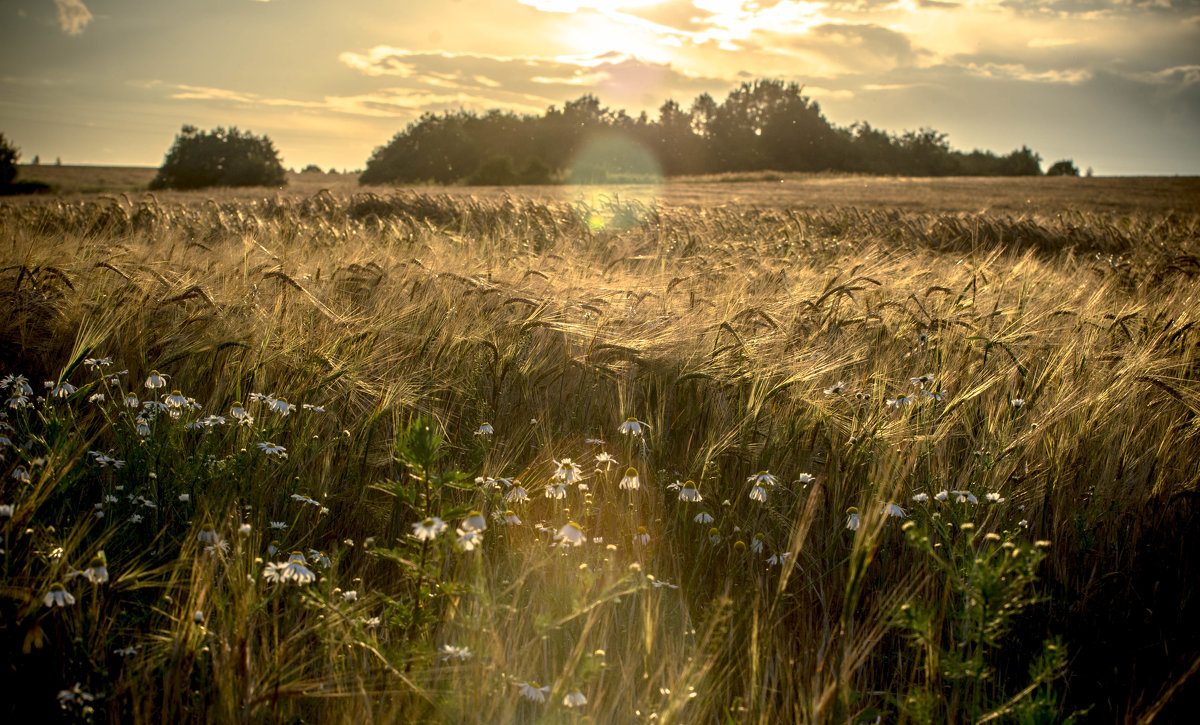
532 80
73 16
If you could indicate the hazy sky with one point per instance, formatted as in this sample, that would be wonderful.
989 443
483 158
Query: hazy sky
1111 84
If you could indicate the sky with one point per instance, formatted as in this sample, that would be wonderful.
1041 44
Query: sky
1111 84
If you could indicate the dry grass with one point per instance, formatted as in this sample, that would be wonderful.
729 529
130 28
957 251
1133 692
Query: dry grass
722 330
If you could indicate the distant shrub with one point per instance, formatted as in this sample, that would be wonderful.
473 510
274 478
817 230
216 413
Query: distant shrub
1066 167
224 157
312 169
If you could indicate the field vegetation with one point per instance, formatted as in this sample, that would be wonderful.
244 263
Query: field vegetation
353 458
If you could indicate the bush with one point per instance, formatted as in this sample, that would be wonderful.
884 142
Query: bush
8 161
224 157
312 169
1066 167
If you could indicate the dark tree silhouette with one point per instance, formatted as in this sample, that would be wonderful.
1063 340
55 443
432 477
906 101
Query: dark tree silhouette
9 155
224 157
766 124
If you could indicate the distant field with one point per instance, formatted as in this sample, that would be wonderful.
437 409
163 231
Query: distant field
1041 195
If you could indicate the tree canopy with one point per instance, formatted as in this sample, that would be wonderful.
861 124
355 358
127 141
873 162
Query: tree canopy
761 125
223 157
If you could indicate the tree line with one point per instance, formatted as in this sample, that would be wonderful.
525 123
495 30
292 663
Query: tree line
761 125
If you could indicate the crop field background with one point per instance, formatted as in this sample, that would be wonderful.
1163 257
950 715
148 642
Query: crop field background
795 449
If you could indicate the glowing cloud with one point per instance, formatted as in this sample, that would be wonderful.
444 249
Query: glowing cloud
73 16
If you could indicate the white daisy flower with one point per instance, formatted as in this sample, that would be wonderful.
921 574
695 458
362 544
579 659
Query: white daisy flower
296 569
758 493
689 492
279 405
6 510
763 478
239 413
703 517
836 388
272 450
556 491
776 559
891 509
156 380
511 518
756 544
518 494
714 536
805 478
428 529
632 426
899 401
964 497
630 481
62 390
469 539
568 471
852 518
570 534
131 401
942 495
485 430
58 597
280 525
534 692
606 460
920 497
994 497
208 535
1017 402
175 399
474 522
574 699
642 537
450 651
97 571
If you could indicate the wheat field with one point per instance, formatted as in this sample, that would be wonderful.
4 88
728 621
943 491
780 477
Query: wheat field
361 457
